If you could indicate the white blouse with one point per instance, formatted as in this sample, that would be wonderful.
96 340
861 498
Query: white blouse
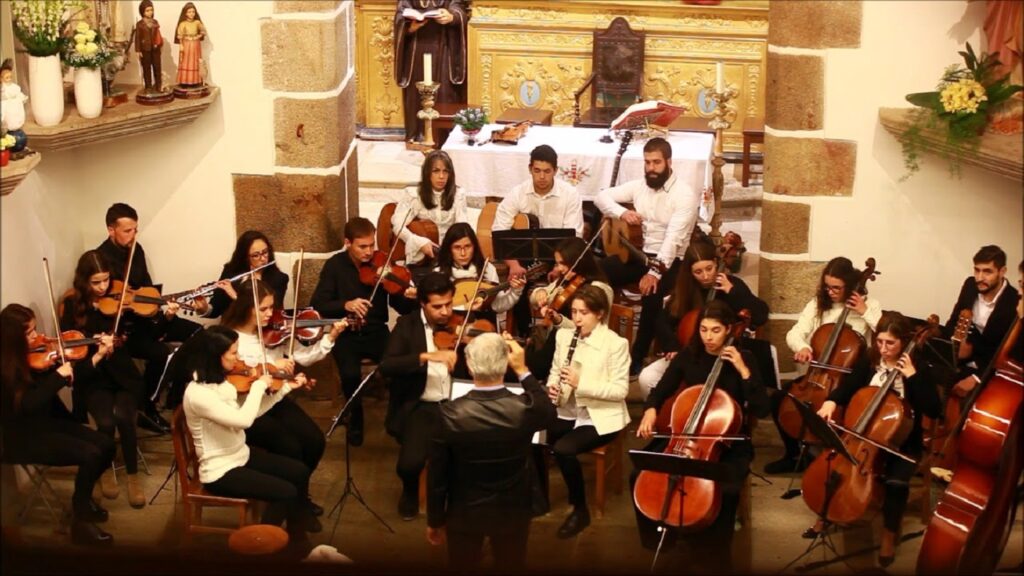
504 300
799 336
250 352
443 218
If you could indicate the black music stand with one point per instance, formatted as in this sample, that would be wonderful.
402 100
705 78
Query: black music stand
350 484
832 443
535 244
678 467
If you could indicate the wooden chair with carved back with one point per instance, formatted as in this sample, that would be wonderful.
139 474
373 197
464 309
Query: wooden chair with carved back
616 79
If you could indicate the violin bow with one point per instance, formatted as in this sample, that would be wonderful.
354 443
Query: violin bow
391 254
53 311
597 234
124 287
295 303
469 305
259 324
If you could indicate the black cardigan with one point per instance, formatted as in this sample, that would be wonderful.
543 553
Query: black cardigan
739 298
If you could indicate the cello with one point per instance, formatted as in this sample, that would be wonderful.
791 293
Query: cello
972 521
836 349
703 417
726 252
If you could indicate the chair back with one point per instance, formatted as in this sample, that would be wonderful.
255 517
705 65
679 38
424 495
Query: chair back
184 451
483 228
385 236
617 61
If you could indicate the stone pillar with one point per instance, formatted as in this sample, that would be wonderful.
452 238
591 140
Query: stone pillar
800 163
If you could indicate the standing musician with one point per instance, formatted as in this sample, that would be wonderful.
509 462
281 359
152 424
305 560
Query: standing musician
480 481
835 292
590 389
435 198
338 293
285 429
252 251
740 380
893 333
145 338
420 379
992 299
690 293
37 427
115 387
667 208
460 259
554 202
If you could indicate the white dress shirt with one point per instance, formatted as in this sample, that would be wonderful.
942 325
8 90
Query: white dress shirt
439 381
982 309
561 207
443 218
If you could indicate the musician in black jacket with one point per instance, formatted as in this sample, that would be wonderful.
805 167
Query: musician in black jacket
339 294
252 251
420 379
480 479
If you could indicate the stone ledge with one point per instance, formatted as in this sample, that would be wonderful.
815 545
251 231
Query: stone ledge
125 120
16 171
998 153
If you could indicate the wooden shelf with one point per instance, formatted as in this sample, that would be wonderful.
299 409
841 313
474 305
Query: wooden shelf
998 153
15 171
119 122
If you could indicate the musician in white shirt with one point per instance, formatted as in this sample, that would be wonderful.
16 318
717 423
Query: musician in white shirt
435 198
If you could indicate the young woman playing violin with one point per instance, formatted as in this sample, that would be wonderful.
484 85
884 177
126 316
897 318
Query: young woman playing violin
435 198
217 420
285 429
252 251
893 333
690 294
460 259
37 427
739 378
116 387
588 381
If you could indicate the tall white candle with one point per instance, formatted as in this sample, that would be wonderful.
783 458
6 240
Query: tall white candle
720 78
428 68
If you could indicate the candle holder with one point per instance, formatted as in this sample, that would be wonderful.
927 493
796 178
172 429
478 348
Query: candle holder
428 93
722 121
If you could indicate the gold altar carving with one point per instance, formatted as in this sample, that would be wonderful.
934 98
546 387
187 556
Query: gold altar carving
534 54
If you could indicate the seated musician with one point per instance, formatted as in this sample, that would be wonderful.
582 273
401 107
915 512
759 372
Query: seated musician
420 379
145 338
435 198
252 250
991 299
37 427
893 333
460 259
285 429
740 379
554 202
690 293
340 293
590 391
115 386
667 208
217 420
835 292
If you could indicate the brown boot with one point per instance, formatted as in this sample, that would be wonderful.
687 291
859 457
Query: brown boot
136 497
887 550
108 485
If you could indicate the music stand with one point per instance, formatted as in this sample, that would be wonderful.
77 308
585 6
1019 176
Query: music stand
350 484
678 467
532 244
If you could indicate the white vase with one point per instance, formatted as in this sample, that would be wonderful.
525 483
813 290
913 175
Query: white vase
46 89
88 92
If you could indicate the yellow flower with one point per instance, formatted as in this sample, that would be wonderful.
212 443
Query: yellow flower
963 96
90 35
91 48
79 38
82 27
80 48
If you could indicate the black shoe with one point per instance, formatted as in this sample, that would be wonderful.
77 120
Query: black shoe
313 525
92 513
575 523
810 533
316 509
89 534
409 505
154 422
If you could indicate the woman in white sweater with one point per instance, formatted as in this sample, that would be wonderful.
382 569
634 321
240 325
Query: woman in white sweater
435 198
460 258
217 421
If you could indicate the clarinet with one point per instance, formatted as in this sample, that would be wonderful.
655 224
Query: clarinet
568 361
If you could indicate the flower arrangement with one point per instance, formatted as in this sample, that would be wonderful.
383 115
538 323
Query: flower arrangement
960 106
7 141
470 119
86 48
40 24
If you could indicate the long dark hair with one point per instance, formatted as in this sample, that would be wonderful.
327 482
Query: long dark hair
570 250
715 310
239 262
687 294
243 308
458 231
896 324
841 268
201 354
14 369
90 263
426 191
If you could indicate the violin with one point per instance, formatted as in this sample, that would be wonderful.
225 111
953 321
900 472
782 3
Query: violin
564 295
241 376
459 331
145 301
309 326
44 351
726 252
836 348
393 278
704 419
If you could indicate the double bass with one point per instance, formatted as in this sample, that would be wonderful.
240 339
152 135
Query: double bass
836 349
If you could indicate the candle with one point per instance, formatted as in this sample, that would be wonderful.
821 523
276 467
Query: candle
428 69
719 78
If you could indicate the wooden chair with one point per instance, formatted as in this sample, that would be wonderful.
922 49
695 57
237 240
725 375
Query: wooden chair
616 79
621 321
607 461
193 496
483 229
384 233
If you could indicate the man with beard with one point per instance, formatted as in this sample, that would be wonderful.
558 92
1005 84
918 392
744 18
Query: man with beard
666 208
993 303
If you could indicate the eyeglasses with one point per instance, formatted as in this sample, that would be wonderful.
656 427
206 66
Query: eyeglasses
833 289
261 254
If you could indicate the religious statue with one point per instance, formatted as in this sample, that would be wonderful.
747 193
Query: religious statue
1003 23
189 35
148 44
12 106
428 32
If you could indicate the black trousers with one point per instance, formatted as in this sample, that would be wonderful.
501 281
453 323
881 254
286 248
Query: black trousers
898 473
287 430
280 481
508 544
568 443
113 401
420 428
349 352
619 275
147 341
66 443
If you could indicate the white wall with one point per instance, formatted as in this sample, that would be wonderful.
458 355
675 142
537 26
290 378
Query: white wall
923 232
